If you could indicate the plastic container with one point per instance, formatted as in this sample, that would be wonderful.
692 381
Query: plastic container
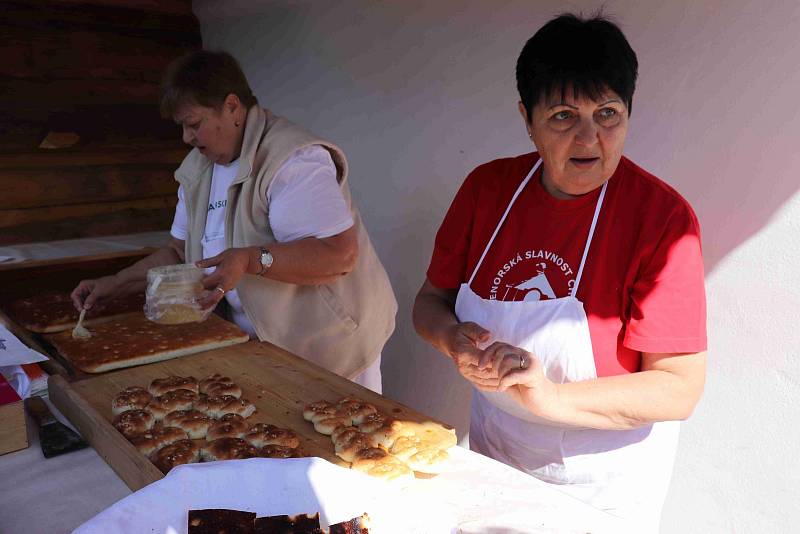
172 294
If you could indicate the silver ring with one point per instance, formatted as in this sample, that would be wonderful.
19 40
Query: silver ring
522 361
220 289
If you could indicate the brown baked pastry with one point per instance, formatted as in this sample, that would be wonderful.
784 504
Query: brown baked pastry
389 431
319 410
216 407
357 411
277 451
379 463
211 379
372 422
181 452
157 437
134 422
132 398
229 425
283 524
221 521
357 525
262 434
348 442
218 389
177 399
160 386
327 426
192 422
228 449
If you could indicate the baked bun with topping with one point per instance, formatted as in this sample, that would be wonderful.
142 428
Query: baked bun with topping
229 425
177 399
278 451
157 437
216 407
132 398
228 449
181 452
193 422
348 442
319 410
134 422
159 386
262 434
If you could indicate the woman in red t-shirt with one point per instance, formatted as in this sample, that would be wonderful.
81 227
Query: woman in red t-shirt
567 286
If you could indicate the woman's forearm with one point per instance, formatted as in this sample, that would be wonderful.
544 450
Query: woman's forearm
433 316
310 261
668 389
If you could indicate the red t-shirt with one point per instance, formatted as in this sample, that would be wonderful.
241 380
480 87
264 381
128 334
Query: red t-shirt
642 285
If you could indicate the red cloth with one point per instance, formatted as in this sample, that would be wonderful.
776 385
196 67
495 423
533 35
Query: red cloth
642 286
7 393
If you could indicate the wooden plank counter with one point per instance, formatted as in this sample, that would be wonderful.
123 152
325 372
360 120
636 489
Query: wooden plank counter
278 383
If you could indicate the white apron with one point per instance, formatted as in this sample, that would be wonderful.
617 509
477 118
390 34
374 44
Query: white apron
624 472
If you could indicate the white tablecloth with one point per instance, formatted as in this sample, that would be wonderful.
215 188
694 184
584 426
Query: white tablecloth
56 495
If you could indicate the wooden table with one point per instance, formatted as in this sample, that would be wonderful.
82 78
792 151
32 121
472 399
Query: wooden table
278 383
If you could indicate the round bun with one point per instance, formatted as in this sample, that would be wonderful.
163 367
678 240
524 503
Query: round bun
194 423
216 378
349 442
184 451
278 451
132 398
218 389
134 422
327 426
177 399
228 426
159 386
389 431
357 411
228 449
262 434
216 407
157 437
319 410
372 422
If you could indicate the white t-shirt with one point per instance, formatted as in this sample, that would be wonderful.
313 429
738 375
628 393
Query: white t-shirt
304 199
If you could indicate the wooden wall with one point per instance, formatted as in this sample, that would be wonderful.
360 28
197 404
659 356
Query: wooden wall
89 68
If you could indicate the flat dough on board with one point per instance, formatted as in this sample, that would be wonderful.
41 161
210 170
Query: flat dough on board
133 340
54 311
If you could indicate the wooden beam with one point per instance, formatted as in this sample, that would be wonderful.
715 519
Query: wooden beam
43 187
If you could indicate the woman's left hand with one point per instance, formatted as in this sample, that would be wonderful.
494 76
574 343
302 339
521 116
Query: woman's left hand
231 265
518 367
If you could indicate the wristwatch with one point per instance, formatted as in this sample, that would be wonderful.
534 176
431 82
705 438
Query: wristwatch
266 261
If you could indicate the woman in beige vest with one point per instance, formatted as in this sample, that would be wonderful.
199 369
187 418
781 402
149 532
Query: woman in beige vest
265 207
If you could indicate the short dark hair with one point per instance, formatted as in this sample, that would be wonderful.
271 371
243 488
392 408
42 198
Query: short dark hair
206 78
588 55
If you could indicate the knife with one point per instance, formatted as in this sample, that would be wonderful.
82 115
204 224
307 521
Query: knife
54 437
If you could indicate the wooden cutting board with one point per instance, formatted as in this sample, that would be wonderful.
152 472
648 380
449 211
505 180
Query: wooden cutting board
278 383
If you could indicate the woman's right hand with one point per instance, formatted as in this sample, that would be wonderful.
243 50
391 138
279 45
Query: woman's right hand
95 293
462 347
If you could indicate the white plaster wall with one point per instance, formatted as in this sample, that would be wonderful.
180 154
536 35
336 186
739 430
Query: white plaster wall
418 93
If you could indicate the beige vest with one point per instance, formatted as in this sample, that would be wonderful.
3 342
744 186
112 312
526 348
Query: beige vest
341 326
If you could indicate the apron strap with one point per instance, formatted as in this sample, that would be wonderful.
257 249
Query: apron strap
503 218
589 239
